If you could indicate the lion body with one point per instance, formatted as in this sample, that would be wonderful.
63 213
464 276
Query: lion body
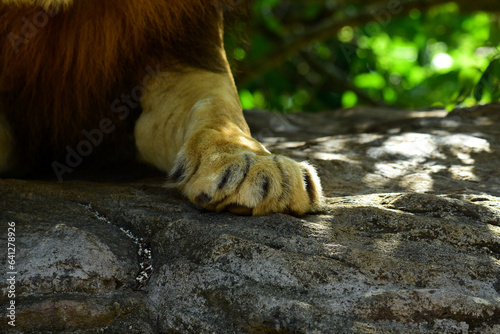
84 69
64 71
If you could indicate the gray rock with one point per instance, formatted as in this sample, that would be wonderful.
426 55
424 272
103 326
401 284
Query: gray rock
409 241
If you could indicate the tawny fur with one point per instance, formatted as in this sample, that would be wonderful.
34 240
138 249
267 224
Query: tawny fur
205 137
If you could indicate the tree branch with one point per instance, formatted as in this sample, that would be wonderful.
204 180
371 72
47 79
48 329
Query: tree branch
337 80
329 27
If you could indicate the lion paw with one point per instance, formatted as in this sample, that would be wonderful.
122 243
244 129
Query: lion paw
238 179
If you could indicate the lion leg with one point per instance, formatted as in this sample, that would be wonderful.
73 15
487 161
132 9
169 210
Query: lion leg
192 127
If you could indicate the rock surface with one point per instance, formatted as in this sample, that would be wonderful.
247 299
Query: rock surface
409 241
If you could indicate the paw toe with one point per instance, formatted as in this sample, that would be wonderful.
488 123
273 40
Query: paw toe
246 183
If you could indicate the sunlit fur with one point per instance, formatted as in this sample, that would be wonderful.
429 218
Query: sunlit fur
75 58
204 138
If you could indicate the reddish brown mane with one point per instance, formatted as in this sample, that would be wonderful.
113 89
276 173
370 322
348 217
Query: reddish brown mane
63 78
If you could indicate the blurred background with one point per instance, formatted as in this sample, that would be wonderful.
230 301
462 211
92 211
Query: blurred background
318 55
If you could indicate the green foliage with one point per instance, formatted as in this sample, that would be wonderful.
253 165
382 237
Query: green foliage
415 59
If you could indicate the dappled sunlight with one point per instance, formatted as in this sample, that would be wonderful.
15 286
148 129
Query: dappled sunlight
331 156
409 175
377 150
464 173
419 182
495 230
427 113
408 145
413 159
